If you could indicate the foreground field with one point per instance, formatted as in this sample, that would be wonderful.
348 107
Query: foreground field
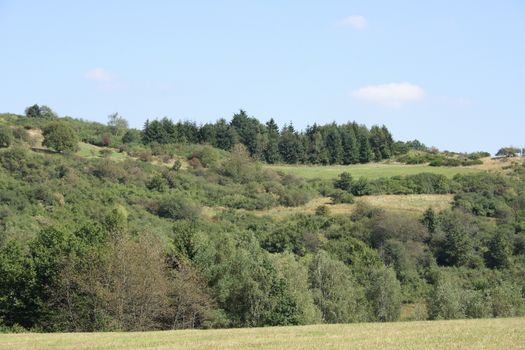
460 334
370 171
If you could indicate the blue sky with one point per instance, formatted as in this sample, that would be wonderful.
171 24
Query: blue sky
450 73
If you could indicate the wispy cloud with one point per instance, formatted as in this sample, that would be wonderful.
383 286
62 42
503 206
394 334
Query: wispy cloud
100 75
391 94
355 22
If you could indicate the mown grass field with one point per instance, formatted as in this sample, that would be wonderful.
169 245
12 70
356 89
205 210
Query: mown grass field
370 170
506 334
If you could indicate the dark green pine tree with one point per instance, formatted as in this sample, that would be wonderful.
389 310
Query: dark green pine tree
334 145
315 144
271 150
249 131
225 135
365 151
350 146
290 146
376 142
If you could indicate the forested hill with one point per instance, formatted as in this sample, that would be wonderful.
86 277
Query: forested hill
333 144
106 228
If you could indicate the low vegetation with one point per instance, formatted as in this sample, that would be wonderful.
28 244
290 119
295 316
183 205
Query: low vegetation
129 233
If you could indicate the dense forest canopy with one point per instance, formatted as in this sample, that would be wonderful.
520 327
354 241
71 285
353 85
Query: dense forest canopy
157 229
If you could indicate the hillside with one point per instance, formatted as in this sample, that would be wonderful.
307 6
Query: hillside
102 230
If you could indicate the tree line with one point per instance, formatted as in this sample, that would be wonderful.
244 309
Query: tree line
348 143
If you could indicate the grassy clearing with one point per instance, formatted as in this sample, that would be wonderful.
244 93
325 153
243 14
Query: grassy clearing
370 171
87 150
459 334
408 204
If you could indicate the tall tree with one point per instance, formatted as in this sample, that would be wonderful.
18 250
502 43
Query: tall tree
117 123
350 146
334 145
271 150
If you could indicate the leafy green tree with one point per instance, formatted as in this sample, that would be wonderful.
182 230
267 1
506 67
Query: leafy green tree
445 299
455 244
508 151
384 294
245 282
18 302
33 111
295 273
117 123
335 291
60 137
499 250
47 112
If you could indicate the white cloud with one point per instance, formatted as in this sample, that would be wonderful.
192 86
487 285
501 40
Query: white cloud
355 22
390 95
99 74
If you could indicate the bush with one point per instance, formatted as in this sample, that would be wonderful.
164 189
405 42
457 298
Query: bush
6 137
105 153
176 166
322 210
207 155
178 208
60 137
132 136
294 197
341 197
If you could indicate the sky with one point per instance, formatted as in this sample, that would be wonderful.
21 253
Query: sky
449 73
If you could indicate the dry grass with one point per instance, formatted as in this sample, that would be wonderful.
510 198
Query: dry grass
497 165
459 334
414 203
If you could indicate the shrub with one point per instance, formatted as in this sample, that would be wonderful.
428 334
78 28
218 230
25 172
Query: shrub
131 136
339 196
177 165
60 137
322 210
178 208
6 137
105 153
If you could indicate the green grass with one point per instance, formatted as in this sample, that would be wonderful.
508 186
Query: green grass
87 150
370 171
506 334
